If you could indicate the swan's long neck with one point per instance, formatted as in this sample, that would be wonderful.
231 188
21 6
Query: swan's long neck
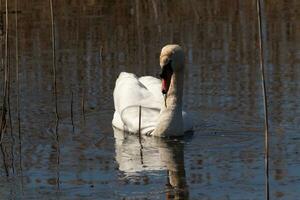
170 120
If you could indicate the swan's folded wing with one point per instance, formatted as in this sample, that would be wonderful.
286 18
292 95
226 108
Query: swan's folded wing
129 95
133 122
129 91
154 86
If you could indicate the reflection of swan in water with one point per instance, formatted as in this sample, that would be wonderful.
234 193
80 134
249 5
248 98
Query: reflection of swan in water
151 155
160 116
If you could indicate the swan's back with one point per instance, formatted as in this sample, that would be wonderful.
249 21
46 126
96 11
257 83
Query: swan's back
129 94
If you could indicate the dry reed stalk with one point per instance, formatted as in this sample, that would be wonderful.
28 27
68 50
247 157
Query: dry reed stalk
140 119
260 7
53 57
55 88
140 134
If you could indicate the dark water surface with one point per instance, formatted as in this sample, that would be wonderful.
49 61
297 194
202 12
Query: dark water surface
95 41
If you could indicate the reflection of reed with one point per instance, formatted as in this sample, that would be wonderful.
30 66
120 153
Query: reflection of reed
82 79
4 159
57 157
18 90
5 92
5 84
83 103
12 139
261 24
72 118
8 67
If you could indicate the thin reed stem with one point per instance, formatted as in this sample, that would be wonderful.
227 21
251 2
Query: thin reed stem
140 135
140 121
53 57
55 89
265 97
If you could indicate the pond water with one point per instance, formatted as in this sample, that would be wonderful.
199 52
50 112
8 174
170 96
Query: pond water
82 157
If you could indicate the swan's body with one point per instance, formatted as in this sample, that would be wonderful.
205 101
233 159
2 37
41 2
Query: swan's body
159 117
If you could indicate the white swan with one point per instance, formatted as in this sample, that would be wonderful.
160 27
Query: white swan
160 116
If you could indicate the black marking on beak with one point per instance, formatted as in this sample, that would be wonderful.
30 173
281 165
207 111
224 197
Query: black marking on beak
166 74
165 70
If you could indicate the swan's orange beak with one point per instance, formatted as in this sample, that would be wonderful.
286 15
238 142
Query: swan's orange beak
166 76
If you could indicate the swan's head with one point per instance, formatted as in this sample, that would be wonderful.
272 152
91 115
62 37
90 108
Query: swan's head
171 60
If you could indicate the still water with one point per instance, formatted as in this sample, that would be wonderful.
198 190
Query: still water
84 158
